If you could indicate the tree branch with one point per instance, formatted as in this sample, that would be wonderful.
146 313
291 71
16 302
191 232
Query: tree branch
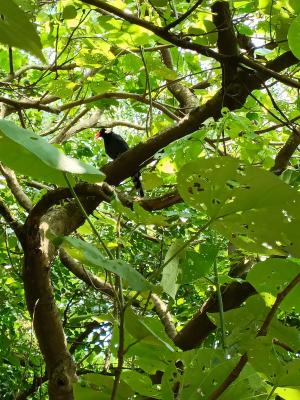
184 15
15 188
234 374
161 32
269 72
119 95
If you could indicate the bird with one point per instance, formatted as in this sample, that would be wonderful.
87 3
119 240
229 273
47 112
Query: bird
115 145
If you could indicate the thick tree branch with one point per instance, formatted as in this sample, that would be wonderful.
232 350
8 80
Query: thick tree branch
23 105
39 253
15 188
184 95
286 152
130 161
199 327
10 220
227 41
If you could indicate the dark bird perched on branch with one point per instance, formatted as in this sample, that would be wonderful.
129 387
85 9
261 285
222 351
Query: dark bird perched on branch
114 146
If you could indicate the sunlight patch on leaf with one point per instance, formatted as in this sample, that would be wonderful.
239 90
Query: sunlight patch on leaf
251 207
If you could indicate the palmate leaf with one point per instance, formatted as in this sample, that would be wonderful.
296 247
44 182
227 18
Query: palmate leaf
16 30
251 207
30 155
90 255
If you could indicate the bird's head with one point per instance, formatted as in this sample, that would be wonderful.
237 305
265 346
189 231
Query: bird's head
100 133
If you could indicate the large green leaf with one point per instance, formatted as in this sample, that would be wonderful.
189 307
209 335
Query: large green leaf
272 276
140 330
140 383
197 264
139 214
205 370
28 154
294 37
90 255
98 386
171 269
288 393
16 30
251 207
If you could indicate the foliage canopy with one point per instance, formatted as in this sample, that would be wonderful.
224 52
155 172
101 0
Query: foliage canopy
191 292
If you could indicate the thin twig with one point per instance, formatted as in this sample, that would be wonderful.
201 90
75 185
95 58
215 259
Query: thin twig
234 374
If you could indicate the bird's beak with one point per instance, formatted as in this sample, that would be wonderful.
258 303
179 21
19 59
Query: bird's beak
98 135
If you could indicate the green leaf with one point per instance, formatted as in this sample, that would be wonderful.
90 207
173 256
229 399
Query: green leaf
242 323
28 154
95 386
69 12
204 370
274 275
264 359
286 334
251 207
140 383
81 392
61 88
140 215
140 330
288 393
151 180
295 5
196 265
159 3
294 37
90 255
99 87
171 270
17 31
164 73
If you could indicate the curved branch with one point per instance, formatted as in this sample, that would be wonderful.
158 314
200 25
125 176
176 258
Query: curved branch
286 152
10 220
184 16
15 188
52 68
161 32
186 98
22 104
39 254
269 72
119 95
130 161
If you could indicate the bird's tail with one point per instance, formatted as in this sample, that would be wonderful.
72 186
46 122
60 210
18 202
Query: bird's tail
138 184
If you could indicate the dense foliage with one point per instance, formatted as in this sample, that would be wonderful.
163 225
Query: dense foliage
191 292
